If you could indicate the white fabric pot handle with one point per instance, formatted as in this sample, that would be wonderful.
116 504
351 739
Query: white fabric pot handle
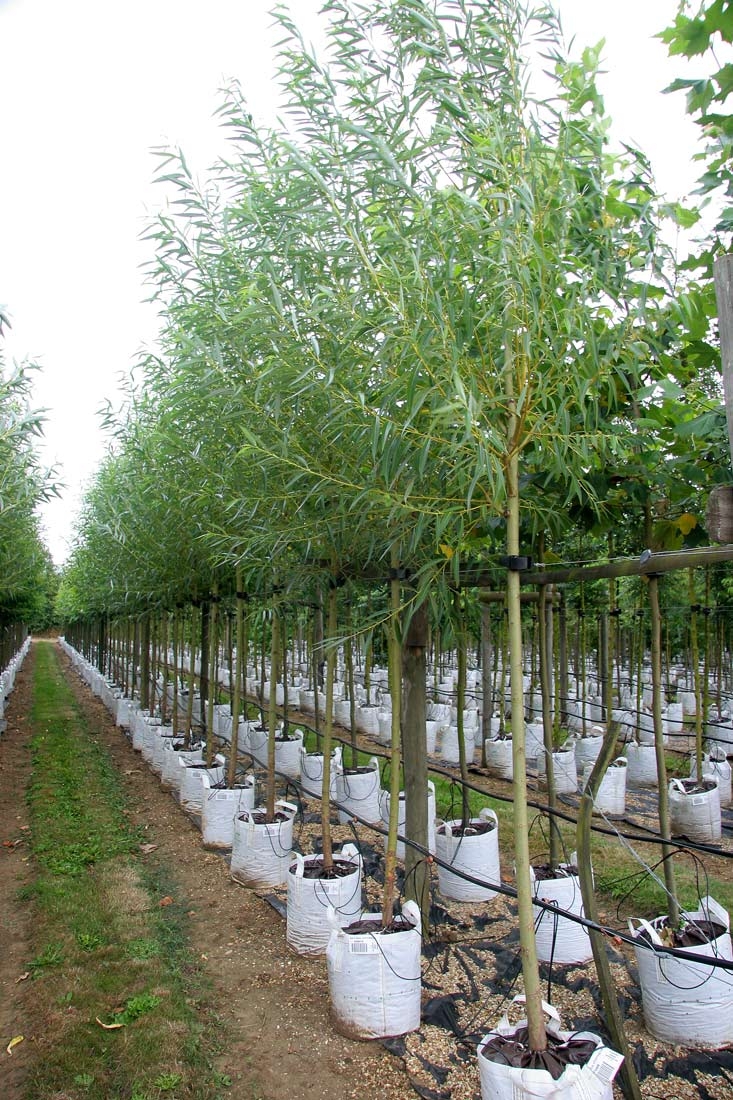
646 927
411 910
548 1010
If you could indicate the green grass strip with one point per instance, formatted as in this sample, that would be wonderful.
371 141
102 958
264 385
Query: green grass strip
115 985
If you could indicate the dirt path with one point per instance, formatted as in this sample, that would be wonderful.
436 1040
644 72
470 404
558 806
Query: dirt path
15 873
273 1005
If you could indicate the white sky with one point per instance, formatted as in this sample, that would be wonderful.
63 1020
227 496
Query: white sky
88 88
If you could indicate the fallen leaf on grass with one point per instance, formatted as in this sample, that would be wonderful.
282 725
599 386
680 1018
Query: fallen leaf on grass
13 1043
147 848
23 977
108 1027
167 900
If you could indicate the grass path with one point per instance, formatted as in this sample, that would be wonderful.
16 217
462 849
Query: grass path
113 982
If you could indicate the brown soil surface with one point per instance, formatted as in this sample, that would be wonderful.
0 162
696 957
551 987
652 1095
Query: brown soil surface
273 1005
15 872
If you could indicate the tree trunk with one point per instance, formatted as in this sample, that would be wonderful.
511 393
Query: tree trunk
528 945
395 686
272 714
331 628
237 685
415 761
664 822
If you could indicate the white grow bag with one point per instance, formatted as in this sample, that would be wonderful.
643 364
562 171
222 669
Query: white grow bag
287 755
359 794
374 978
262 853
477 856
367 720
139 725
642 766
192 787
163 738
384 803
611 796
565 771
534 740
593 1081
219 808
499 759
715 766
587 750
256 744
150 728
558 938
695 815
311 771
308 924
431 735
684 1001
171 775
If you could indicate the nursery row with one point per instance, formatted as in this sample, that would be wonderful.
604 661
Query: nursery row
262 855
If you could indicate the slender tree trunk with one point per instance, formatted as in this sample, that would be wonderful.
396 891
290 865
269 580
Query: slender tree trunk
695 658
211 645
460 627
191 681
395 684
417 879
327 743
528 946
175 671
145 663
272 715
664 821
237 685
545 658
487 699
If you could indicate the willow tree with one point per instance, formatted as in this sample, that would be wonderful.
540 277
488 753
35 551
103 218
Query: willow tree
464 243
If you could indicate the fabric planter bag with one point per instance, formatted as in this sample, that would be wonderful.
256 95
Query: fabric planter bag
192 789
171 774
256 744
565 771
499 759
694 809
642 765
219 808
311 771
374 977
684 1001
149 729
431 735
163 738
559 939
592 1081
534 740
358 794
384 803
716 767
587 750
309 899
262 851
287 755
476 855
367 720
611 797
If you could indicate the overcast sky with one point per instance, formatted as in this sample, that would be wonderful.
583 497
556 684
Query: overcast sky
89 88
